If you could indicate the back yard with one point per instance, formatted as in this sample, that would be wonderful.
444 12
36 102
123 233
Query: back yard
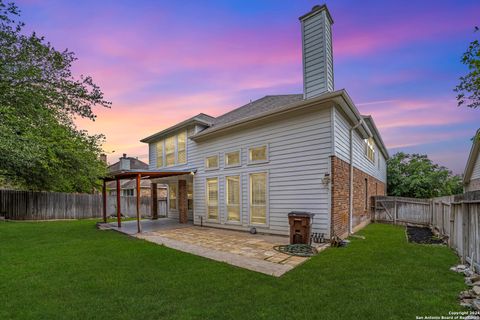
72 270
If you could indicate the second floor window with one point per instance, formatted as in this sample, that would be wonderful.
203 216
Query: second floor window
370 149
211 162
172 150
182 148
232 159
257 154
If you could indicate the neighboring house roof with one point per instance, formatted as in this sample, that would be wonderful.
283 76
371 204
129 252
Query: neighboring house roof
472 158
200 118
134 164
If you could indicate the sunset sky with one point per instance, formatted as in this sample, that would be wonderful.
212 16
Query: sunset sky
160 62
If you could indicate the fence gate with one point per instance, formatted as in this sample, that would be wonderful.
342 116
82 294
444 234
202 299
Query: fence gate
402 210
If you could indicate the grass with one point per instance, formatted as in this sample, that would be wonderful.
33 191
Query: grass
70 270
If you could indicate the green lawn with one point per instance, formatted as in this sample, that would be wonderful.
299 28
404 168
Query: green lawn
70 270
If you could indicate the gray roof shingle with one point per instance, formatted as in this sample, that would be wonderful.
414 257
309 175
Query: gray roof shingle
267 103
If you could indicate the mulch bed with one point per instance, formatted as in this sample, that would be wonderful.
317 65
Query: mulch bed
422 235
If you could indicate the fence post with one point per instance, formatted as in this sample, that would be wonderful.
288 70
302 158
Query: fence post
395 210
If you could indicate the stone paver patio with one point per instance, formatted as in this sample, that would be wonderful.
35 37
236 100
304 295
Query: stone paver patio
242 249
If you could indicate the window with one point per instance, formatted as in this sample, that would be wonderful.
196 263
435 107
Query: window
370 149
172 196
190 195
128 192
182 148
233 198
170 151
160 154
212 198
232 159
257 154
211 162
258 198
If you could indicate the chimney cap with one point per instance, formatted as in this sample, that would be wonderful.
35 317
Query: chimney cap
317 9
124 155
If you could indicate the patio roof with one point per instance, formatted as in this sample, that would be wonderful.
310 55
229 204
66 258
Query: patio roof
146 174
138 175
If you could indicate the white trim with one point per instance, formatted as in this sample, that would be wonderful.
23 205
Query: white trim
232 165
267 196
267 152
239 175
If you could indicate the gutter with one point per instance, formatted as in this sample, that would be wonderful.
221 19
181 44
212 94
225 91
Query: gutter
350 188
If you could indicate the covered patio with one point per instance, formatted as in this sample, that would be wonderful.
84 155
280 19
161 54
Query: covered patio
139 175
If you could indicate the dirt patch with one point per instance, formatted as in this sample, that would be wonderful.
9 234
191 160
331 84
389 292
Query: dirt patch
422 235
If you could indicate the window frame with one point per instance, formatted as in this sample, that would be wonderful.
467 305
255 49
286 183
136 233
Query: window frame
267 151
207 199
239 164
267 199
218 162
239 222
174 151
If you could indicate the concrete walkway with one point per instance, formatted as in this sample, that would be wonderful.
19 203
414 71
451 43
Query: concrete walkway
241 249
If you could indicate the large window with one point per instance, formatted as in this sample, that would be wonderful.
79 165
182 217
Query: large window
160 154
211 162
172 150
232 159
370 149
172 196
257 154
258 198
182 148
212 198
233 198
190 195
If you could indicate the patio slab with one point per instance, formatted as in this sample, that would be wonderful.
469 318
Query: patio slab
241 249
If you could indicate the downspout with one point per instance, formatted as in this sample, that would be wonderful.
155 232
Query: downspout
350 188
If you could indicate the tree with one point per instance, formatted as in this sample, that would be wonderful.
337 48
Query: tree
40 146
416 176
468 90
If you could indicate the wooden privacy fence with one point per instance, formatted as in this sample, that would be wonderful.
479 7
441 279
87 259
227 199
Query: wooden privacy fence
29 205
455 217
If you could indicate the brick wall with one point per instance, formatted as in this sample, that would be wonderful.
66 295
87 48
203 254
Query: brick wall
364 187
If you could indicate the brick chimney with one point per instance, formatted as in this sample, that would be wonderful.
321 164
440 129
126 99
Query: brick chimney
317 53
103 157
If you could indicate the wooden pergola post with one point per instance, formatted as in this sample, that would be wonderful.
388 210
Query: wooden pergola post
154 193
119 218
139 226
104 198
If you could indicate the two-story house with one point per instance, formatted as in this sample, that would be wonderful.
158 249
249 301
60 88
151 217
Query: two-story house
312 151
